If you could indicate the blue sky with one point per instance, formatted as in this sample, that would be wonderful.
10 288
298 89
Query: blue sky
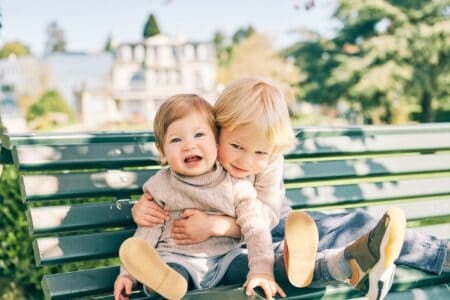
87 23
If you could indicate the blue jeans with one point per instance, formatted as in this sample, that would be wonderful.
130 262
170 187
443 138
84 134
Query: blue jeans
423 252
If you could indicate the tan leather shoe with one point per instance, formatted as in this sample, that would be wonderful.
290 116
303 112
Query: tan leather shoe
143 262
301 239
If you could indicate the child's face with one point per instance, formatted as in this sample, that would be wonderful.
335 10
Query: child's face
190 146
242 152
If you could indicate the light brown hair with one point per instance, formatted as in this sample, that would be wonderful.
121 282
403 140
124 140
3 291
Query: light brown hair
177 107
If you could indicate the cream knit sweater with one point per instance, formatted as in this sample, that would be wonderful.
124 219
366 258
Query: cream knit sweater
215 193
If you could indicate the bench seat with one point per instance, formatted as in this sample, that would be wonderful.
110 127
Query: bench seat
79 189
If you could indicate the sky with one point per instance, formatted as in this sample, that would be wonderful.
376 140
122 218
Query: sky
87 23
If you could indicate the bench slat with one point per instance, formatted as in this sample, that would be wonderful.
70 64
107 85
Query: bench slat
74 138
79 283
84 156
50 219
312 197
349 145
98 281
86 184
381 166
52 250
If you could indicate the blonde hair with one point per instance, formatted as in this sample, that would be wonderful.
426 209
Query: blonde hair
177 107
258 105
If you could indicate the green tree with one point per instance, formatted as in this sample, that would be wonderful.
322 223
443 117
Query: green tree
16 48
255 56
49 110
108 47
388 59
242 34
151 27
223 50
56 39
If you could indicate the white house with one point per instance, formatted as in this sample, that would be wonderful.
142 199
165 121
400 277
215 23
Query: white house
146 73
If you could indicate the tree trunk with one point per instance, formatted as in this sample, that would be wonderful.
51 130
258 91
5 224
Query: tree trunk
425 103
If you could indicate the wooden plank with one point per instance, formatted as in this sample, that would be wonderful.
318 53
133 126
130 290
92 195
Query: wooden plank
330 146
84 156
53 250
74 138
79 216
388 191
116 183
436 292
79 283
101 280
381 166
370 130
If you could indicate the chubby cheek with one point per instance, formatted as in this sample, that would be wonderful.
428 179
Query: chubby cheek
259 166
222 156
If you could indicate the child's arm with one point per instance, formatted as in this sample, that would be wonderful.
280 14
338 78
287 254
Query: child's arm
122 284
266 282
256 232
270 190
197 226
148 213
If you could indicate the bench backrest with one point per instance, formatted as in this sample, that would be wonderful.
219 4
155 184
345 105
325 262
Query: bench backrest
79 187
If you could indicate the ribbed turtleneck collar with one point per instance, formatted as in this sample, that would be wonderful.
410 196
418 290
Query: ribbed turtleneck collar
213 176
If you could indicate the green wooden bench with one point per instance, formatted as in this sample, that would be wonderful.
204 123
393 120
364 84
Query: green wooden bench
80 187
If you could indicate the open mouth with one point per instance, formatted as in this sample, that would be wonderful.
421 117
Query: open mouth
192 159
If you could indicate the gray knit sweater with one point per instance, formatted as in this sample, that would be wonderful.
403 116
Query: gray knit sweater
215 193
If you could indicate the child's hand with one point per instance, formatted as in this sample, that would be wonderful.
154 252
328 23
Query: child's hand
122 283
192 228
266 282
147 213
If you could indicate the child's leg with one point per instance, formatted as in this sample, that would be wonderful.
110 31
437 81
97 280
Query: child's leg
145 264
368 262
423 252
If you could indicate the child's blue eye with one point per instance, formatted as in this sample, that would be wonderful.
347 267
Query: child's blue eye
199 134
175 140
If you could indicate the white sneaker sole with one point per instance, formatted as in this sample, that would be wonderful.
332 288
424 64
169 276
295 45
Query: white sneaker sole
381 275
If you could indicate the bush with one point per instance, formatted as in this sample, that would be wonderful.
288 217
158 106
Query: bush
18 273
16 256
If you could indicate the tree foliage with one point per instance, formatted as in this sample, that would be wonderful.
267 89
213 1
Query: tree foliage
16 48
56 38
48 109
108 47
151 27
255 56
387 60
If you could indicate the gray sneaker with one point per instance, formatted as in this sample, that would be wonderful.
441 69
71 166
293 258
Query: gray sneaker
372 256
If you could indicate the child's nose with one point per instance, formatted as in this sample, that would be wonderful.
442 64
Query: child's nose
247 160
189 145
